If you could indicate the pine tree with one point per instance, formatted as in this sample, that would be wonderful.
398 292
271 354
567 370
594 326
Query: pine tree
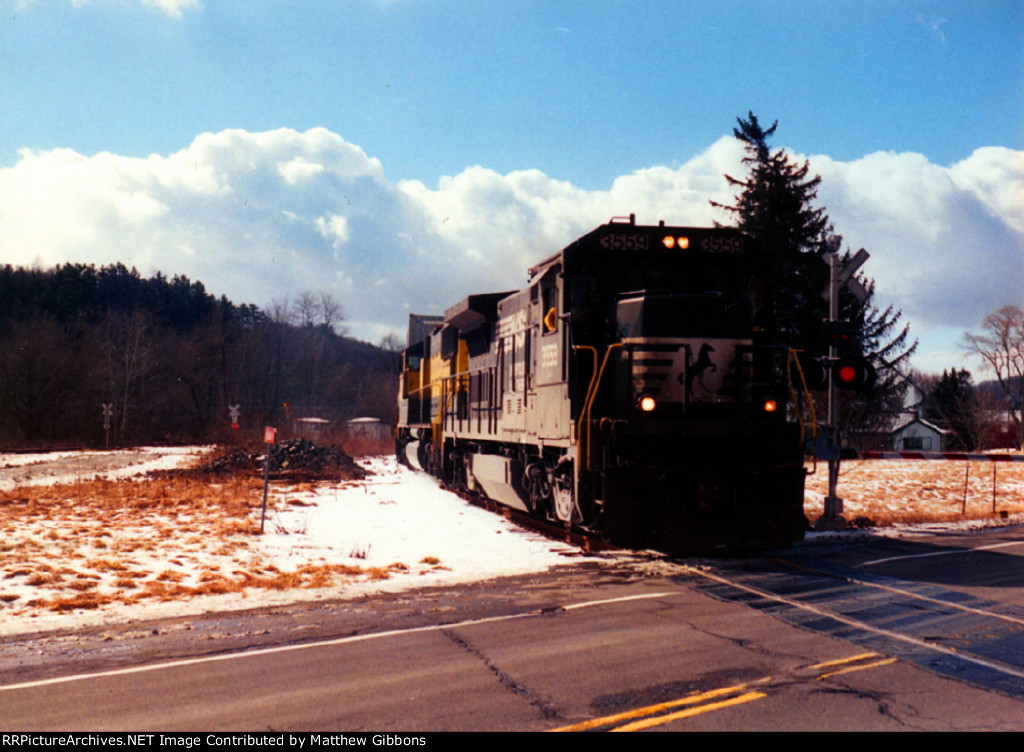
953 402
776 205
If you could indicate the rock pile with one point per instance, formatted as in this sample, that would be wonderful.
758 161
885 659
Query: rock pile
299 459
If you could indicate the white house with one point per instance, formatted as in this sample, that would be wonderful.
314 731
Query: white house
918 435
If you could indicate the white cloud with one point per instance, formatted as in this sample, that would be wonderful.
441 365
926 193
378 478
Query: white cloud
947 243
170 8
262 216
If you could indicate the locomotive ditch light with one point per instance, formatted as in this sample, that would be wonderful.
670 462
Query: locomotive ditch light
647 403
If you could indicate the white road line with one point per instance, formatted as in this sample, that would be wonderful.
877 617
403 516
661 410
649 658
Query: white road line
319 644
1008 544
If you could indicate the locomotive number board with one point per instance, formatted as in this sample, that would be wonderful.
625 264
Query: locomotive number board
641 241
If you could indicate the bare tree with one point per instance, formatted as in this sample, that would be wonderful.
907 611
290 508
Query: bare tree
305 310
133 360
331 312
1001 347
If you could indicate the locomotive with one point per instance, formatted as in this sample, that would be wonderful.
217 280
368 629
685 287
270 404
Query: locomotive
635 389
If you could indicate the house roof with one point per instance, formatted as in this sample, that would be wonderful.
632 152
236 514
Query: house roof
920 421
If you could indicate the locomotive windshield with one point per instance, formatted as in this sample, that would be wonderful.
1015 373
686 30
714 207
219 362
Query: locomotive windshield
667 315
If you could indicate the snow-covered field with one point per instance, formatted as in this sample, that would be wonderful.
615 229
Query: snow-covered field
86 551
85 543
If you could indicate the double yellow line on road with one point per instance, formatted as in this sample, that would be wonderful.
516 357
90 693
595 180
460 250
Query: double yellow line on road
706 702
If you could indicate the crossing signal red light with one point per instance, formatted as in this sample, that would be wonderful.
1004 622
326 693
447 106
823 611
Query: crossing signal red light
853 373
842 334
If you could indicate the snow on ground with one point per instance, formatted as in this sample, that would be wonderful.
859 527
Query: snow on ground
66 467
81 543
96 552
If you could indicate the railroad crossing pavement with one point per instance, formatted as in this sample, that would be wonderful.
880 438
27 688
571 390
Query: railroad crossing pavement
631 646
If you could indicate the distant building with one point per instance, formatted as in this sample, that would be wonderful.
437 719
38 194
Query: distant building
367 428
919 435
311 428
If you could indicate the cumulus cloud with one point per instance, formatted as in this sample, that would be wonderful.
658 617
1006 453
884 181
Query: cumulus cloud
264 216
947 243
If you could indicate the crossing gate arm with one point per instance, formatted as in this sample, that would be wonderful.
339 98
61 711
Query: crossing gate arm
960 456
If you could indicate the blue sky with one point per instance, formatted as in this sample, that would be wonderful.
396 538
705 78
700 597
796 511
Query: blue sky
583 90
443 104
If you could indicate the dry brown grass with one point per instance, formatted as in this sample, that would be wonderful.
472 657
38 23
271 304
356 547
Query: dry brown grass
913 491
133 541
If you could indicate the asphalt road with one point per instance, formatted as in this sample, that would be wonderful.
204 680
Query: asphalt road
922 634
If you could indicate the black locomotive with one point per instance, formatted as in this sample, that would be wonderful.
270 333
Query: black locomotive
634 388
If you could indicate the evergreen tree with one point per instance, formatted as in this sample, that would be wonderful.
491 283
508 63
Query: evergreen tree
776 205
953 403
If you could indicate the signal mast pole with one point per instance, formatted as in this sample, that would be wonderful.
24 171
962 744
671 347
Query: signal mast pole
840 276
832 519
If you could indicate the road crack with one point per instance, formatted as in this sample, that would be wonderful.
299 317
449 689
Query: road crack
543 705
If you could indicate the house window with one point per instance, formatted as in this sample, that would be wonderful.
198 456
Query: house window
918 443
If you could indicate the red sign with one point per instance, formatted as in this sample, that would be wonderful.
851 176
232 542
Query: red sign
269 434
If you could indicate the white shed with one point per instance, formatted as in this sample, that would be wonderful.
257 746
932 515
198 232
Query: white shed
918 435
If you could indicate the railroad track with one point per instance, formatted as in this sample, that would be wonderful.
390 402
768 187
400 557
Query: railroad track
943 630
553 530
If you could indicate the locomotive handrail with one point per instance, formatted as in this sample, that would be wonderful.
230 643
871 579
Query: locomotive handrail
588 403
791 356
586 398
446 397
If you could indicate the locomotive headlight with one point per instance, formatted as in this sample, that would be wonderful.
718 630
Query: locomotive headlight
647 403
670 241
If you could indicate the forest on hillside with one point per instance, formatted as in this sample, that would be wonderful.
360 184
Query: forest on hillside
169 360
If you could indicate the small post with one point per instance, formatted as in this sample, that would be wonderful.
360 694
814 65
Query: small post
269 434
967 477
994 466
108 412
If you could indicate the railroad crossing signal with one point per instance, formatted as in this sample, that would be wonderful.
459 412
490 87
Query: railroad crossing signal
846 373
233 412
108 413
853 373
843 272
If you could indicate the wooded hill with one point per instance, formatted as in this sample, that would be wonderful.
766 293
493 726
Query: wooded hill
170 359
